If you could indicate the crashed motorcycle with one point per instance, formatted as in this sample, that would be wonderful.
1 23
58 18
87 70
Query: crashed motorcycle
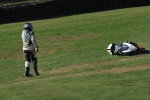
125 48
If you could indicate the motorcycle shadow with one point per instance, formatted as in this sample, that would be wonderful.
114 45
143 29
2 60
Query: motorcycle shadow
146 52
133 54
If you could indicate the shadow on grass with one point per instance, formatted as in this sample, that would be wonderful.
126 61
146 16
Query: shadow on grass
131 54
145 52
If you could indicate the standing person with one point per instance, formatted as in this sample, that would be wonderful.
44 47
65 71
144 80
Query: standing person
30 49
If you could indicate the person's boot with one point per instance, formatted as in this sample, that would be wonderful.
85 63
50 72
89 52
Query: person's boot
36 70
27 74
35 67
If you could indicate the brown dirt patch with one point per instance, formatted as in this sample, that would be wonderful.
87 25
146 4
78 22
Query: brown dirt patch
90 65
68 71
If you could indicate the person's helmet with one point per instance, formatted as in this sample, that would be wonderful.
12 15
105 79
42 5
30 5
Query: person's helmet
28 26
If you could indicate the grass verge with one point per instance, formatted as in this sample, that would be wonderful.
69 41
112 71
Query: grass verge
72 57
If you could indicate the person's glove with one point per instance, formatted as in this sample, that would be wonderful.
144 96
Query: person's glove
36 49
32 32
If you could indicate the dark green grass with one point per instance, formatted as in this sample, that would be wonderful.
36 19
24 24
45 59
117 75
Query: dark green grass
8 2
70 47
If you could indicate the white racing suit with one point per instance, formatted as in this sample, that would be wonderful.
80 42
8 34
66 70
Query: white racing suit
30 49
128 48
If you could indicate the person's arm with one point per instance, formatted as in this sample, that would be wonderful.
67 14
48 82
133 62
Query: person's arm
34 41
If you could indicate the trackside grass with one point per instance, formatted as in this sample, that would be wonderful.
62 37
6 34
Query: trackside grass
73 61
8 2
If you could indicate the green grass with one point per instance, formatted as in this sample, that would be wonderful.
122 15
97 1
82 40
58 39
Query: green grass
8 2
72 58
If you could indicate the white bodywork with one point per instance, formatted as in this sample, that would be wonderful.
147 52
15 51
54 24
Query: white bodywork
130 49
124 48
112 49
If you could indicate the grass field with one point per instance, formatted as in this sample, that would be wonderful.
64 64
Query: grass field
73 61
8 2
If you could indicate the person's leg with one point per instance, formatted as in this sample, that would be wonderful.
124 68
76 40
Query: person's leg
27 64
34 61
